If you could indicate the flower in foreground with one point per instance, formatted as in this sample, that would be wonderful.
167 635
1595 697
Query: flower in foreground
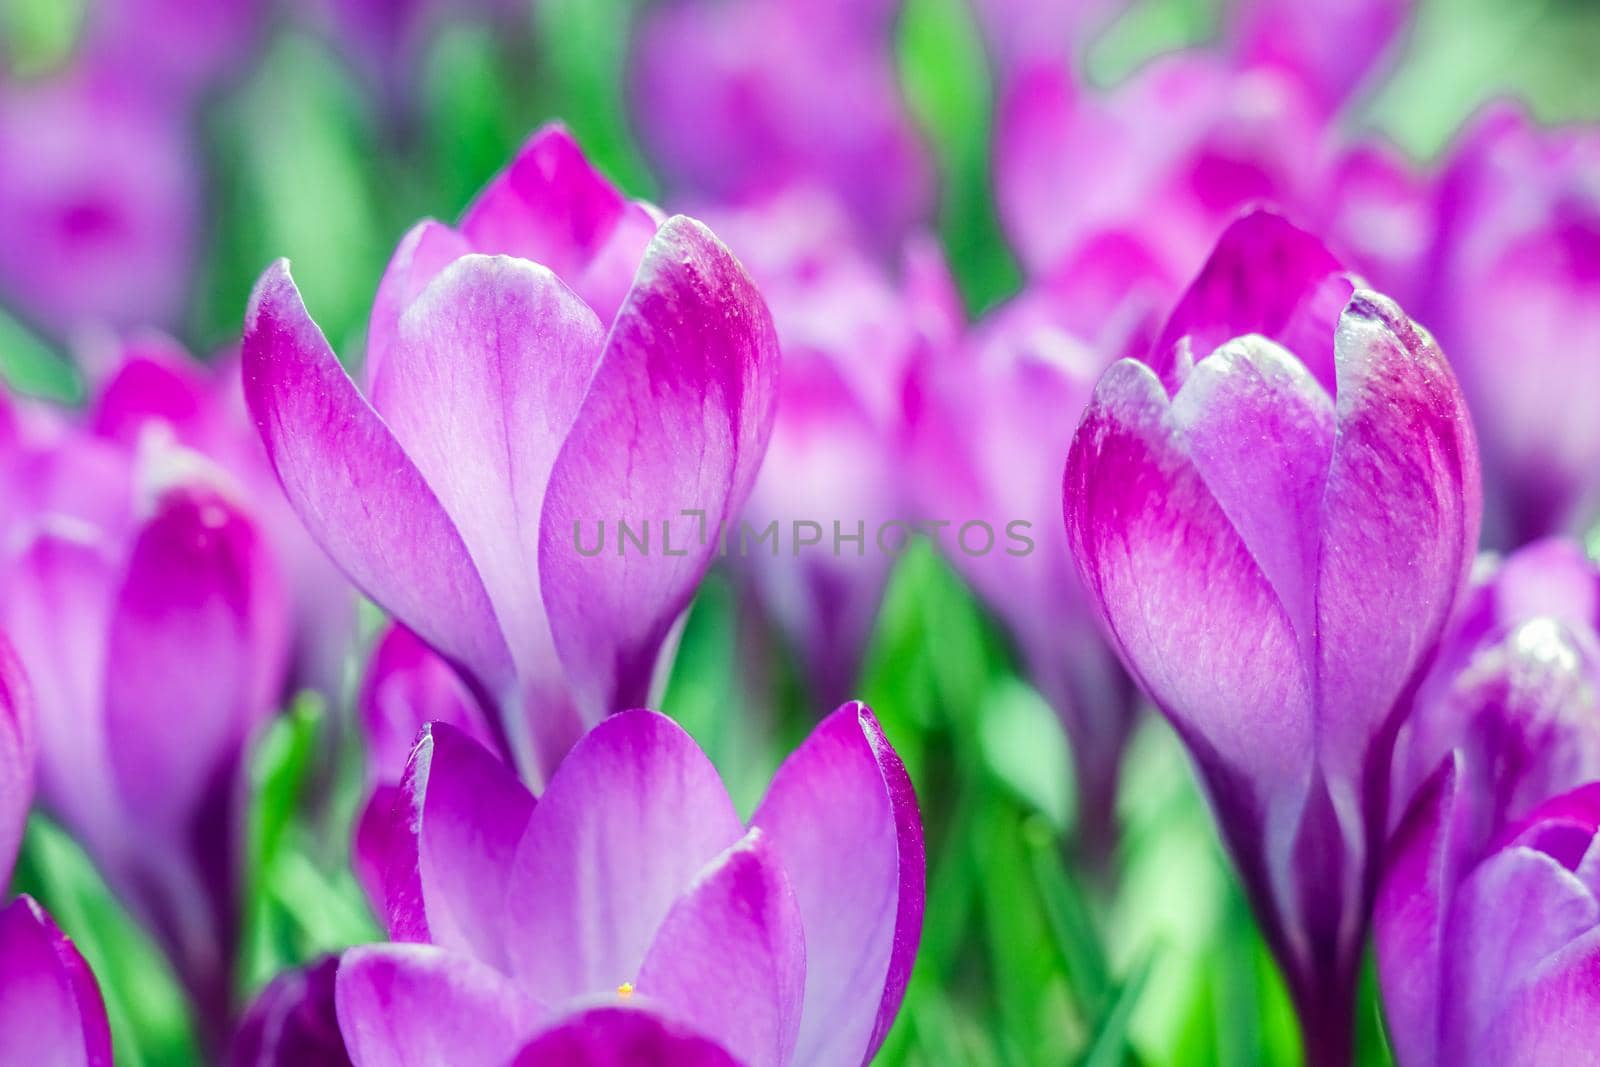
630 908
1273 516
1491 956
521 392
50 1006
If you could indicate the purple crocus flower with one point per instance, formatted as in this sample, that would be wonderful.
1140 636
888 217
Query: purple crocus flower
1273 516
1515 690
738 101
99 202
990 420
291 1022
1019 33
1519 218
524 401
50 1006
631 908
139 752
1333 47
1490 956
850 333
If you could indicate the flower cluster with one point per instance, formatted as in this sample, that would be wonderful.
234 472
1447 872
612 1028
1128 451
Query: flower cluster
1268 426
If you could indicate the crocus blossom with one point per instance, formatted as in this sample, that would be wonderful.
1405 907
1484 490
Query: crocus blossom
990 420
1273 516
1515 690
1333 48
630 903
99 202
1515 300
50 1006
1489 956
738 101
291 1022
522 399
139 751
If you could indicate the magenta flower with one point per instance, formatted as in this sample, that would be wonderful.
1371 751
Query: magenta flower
738 101
1517 270
850 333
99 201
1491 956
1333 48
990 422
139 752
523 402
1273 516
630 906
1515 690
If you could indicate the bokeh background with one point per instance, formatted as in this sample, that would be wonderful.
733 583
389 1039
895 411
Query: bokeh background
315 138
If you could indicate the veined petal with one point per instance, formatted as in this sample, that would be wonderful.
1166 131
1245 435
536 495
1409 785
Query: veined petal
677 418
423 253
552 207
487 373
842 816
51 1014
621 1037
1554 1021
1399 524
357 491
730 957
464 814
630 818
420 1006
407 686
1175 582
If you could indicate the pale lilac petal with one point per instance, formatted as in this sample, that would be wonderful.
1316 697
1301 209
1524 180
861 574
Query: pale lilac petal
1554 1021
1265 276
422 254
1172 575
51 1014
1400 523
621 1037
1331 47
678 417
420 1006
1041 141
552 207
481 386
730 956
17 741
408 685
293 1022
1411 914
1516 910
1259 430
356 490
629 820
463 814
842 816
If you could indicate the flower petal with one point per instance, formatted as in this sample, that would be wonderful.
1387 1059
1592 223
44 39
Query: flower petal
1399 524
1172 578
678 417
730 957
1265 276
553 207
629 819
842 816
425 251
51 1013
419 1006
356 490
463 813
1555 1020
621 1037
487 374
293 1022
408 685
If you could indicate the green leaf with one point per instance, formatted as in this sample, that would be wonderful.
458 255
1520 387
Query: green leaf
147 1009
1026 749
1111 1046
30 366
39 35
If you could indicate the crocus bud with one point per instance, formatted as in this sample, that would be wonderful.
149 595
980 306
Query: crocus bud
1489 957
1273 517
1515 300
1515 690
630 903
523 406
292 1022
